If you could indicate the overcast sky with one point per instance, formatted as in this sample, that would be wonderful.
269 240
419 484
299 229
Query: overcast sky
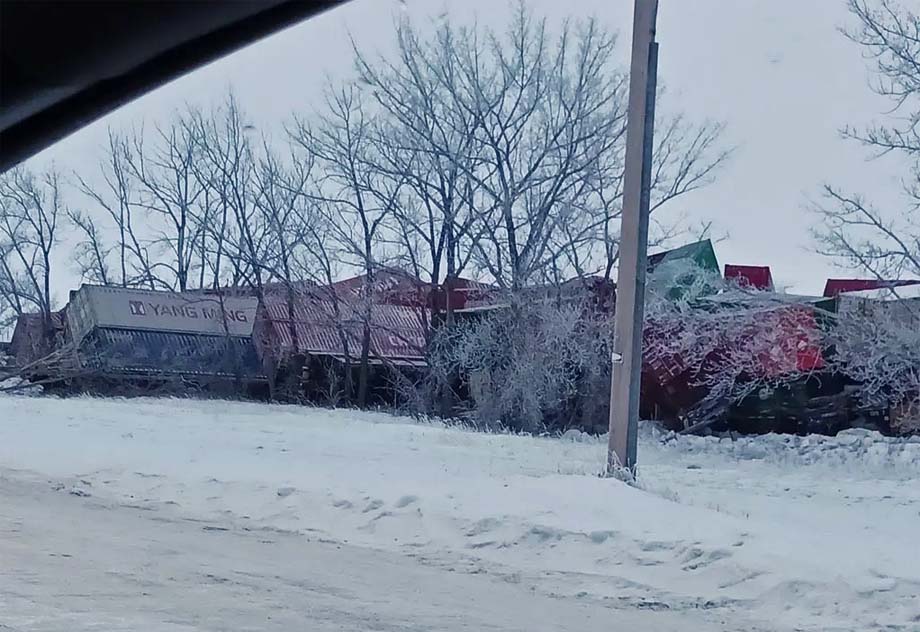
776 72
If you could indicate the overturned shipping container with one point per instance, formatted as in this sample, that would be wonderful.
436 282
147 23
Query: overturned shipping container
119 331
315 345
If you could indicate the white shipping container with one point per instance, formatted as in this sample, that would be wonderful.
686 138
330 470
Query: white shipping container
122 308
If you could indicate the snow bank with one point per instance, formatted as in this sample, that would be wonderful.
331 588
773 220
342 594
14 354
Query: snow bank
806 533
865 450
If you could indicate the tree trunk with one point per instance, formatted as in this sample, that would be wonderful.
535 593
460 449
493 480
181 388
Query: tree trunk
364 369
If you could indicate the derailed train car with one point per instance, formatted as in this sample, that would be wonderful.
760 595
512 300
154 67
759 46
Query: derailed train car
304 341
131 333
774 353
115 339
34 337
314 345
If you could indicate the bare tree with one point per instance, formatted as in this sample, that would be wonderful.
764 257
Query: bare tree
535 126
235 233
31 212
115 197
176 205
282 203
174 200
170 190
429 143
317 261
91 254
509 147
853 230
11 299
546 112
358 199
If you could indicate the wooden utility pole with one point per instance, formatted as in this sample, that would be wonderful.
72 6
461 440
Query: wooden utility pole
630 296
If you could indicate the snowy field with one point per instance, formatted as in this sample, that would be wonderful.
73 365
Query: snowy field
191 515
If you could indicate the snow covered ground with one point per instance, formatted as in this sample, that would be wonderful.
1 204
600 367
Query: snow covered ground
220 509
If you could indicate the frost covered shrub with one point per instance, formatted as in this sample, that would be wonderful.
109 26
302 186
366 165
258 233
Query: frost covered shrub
532 367
877 345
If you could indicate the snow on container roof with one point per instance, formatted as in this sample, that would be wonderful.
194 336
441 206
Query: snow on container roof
122 308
